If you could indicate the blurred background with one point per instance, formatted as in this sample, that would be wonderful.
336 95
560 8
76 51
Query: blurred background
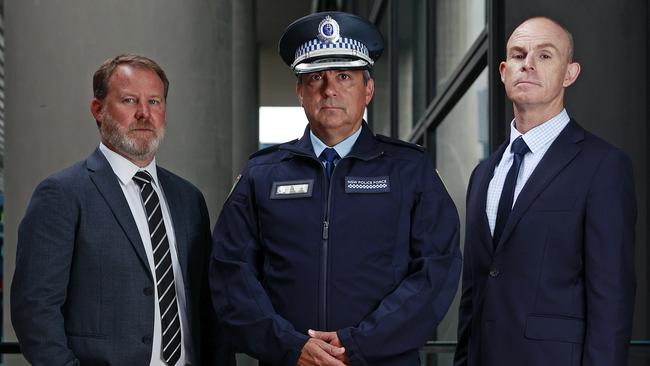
437 84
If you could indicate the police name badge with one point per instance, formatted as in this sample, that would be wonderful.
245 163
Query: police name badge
367 184
292 189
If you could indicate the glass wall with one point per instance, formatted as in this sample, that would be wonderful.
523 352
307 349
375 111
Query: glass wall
426 51
461 143
458 24
412 61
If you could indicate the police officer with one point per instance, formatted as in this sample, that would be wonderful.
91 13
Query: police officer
340 247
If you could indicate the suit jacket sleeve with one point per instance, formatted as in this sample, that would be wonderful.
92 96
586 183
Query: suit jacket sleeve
407 317
466 306
241 302
609 262
46 238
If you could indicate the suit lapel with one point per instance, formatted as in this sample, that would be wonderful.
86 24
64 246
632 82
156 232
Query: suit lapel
102 175
558 156
486 235
174 203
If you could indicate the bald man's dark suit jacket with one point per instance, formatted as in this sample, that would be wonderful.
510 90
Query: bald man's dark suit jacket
82 292
559 288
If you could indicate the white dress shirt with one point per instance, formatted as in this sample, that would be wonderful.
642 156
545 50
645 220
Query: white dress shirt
538 139
125 170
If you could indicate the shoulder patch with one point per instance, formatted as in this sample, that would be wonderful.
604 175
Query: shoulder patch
442 180
394 141
234 185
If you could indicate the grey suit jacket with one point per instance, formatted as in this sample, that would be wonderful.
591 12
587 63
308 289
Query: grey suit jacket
82 292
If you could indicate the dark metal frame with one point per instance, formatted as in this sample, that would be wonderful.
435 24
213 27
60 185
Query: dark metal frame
394 46
496 93
470 67
450 346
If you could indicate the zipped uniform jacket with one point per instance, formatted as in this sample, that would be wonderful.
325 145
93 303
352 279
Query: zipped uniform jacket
371 253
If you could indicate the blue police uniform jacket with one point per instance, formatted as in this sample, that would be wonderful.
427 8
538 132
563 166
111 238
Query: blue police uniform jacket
371 253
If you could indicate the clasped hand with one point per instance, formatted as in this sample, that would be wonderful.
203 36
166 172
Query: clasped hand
323 348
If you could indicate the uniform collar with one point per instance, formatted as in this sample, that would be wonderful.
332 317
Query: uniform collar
342 148
365 147
123 168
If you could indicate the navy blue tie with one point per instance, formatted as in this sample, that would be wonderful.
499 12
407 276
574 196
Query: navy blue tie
330 155
519 149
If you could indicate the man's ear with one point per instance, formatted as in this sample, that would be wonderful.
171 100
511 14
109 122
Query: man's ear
572 72
370 90
96 108
502 70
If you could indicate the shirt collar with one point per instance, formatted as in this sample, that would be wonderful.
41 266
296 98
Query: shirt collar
342 148
540 136
125 169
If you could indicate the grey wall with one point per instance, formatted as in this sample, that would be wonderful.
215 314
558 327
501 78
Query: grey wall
52 50
277 81
245 84
610 97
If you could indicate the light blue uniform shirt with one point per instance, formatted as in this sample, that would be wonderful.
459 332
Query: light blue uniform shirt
538 139
342 148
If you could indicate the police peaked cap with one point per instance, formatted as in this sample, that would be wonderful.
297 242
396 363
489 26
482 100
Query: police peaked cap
330 40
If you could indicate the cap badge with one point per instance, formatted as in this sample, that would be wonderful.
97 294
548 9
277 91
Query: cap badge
328 30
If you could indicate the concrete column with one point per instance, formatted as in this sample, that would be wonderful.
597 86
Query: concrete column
52 50
245 100
245 95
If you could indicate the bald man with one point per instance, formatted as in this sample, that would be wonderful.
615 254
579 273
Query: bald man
549 250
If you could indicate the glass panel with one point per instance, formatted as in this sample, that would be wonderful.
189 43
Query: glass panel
412 26
280 124
381 101
461 141
458 24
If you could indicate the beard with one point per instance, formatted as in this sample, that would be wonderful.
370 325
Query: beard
127 143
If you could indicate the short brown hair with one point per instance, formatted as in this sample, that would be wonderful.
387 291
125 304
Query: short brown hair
107 68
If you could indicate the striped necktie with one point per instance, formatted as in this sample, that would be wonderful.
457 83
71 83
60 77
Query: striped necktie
169 317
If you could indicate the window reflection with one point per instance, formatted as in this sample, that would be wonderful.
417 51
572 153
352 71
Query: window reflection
412 31
461 141
458 24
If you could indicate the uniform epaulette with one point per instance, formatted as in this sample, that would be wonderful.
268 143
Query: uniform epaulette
269 149
395 141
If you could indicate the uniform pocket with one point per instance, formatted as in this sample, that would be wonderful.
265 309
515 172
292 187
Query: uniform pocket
555 328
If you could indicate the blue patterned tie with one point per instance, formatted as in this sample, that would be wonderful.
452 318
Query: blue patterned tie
519 149
330 155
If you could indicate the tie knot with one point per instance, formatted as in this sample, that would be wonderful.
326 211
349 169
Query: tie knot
519 146
329 154
142 177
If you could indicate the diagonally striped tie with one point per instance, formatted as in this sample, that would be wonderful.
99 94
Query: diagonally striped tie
170 322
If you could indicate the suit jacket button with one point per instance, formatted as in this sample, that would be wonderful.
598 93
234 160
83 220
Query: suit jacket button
494 272
146 340
148 291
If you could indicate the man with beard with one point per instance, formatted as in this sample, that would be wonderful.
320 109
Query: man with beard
112 252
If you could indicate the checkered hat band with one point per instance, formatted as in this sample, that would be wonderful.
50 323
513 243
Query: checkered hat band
343 43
